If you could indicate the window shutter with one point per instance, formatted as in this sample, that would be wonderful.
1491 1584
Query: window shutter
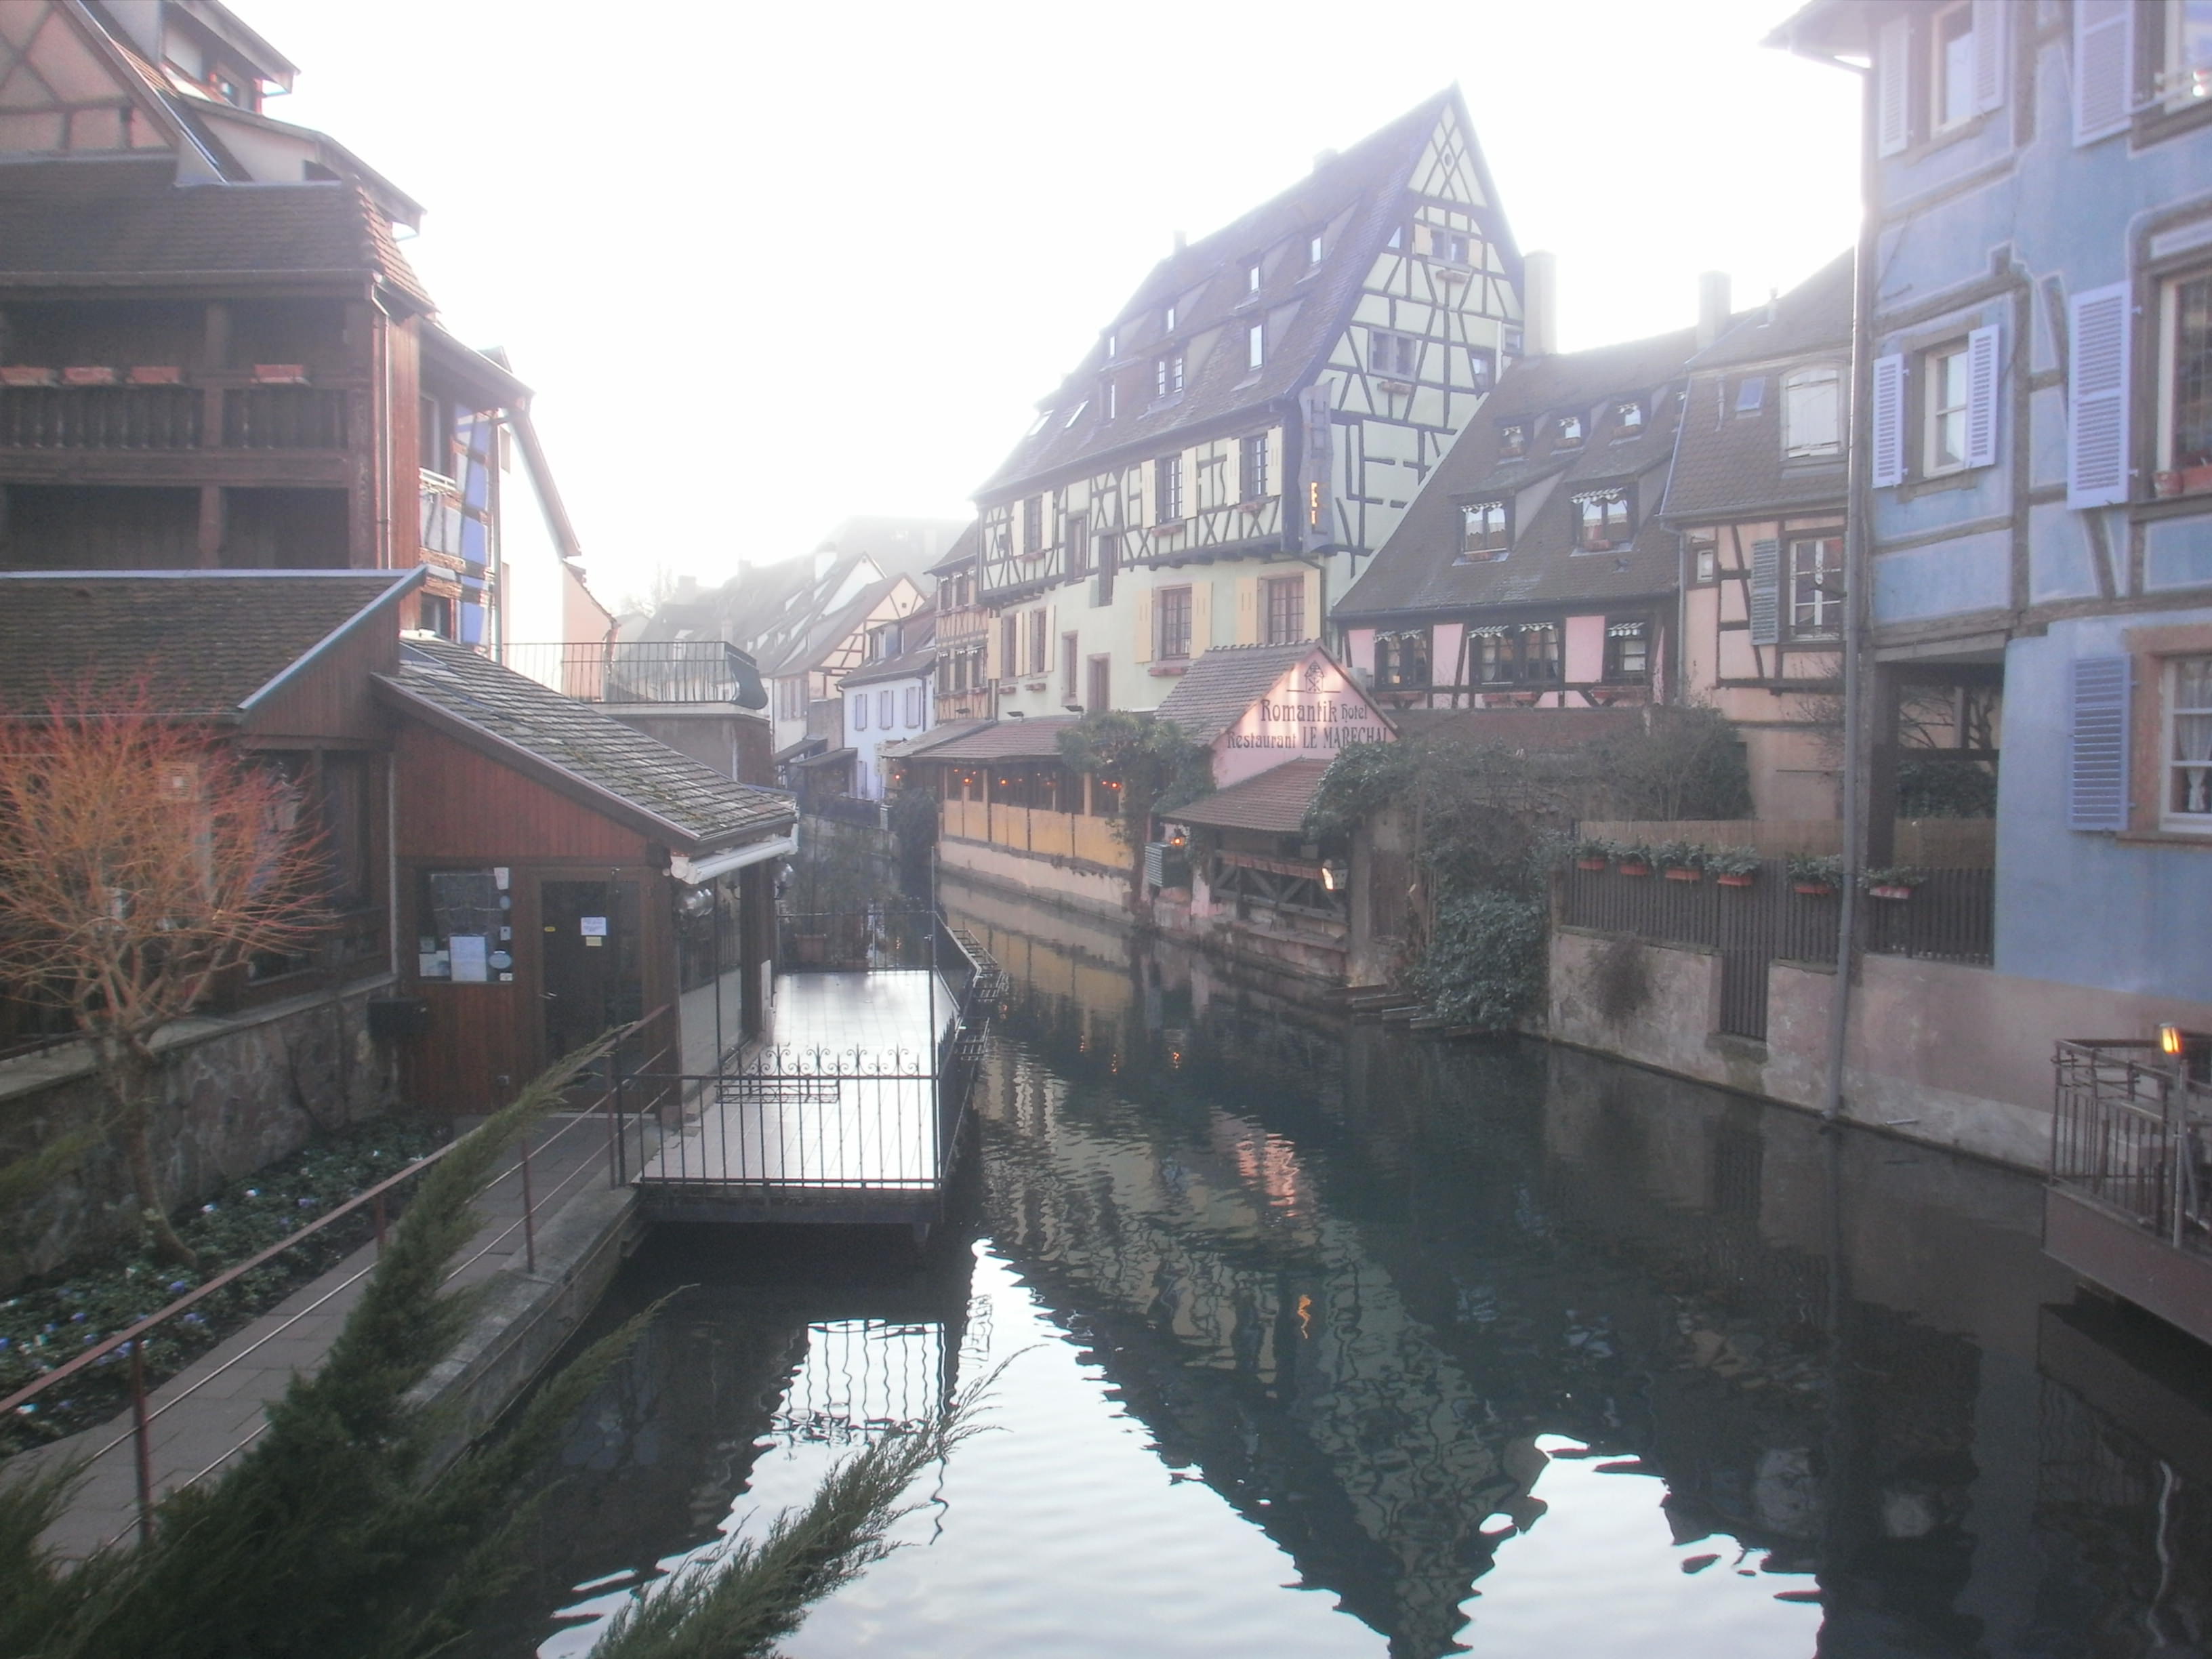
1144 626
1201 618
1989 44
2097 743
2104 68
1313 604
1893 72
1984 372
1247 611
2097 395
1888 411
1765 599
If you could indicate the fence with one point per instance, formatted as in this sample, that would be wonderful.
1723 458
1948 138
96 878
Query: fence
645 670
1948 918
2132 1132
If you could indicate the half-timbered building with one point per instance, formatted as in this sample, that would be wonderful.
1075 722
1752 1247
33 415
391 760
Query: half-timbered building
1757 493
1252 425
1533 571
213 353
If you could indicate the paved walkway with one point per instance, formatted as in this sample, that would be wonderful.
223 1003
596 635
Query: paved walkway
209 1412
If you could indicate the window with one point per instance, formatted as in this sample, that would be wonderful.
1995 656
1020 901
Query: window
1705 559
1038 622
1812 413
1167 374
1252 468
1285 600
1627 652
914 705
1944 415
1068 658
1486 530
1751 394
1032 525
1569 431
1816 585
1314 249
1010 640
1102 685
1075 414
1110 399
1172 621
1167 490
1482 363
1627 418
1393 356
2188 804
2186 401
1951 67
434 612
464 930
1252 280
860 712
433 435
1213 471
1077 534
1168 320
1517 654
1256 345
1451 246
1512 439
1113 343
2186 79
1601 520
883 710
1401 660
1109 556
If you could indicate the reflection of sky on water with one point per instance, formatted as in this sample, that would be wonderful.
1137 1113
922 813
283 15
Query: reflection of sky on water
1060 1530
1599 1574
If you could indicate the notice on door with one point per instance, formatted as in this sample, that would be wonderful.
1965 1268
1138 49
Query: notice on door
593 926
469 958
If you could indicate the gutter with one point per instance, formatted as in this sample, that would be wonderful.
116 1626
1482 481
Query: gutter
695 871
402 584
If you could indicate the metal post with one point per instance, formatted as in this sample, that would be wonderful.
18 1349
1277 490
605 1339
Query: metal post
142 1437
377 1209
529 1218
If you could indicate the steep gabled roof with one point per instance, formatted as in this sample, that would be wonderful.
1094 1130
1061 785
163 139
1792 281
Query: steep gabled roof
183 235
209 642
577 748
1223 683
1419 570
825 633
906 666
1354 200
1731 461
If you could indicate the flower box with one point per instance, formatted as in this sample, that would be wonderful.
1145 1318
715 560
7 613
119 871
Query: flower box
280 373
87 374
157 375
1634 868
1888 891
1679 874
24 374
1589 864
1813 889
1733 880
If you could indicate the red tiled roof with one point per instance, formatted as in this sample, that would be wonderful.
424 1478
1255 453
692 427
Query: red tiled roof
1008 740
1274 803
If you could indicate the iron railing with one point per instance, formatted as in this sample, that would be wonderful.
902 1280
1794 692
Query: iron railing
860 813
642 670
2132 1131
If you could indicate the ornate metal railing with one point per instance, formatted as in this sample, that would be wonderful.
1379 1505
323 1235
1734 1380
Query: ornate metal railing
2131 1130
642 670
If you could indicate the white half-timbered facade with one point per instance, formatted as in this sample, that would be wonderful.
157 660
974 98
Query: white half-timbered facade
1251 426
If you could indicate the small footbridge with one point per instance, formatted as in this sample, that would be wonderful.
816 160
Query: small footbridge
853 1106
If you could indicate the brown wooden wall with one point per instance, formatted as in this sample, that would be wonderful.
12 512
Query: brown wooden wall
459 805
331 698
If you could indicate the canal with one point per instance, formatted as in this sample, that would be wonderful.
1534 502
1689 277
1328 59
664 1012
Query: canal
1318 1339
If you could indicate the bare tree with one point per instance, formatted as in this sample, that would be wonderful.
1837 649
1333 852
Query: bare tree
142 858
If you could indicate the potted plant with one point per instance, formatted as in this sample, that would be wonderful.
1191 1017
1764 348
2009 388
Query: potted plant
1678 861
1733 866
1590 852
1815 876
1896 885
1635 860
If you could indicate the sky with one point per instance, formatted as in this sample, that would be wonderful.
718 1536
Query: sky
768 267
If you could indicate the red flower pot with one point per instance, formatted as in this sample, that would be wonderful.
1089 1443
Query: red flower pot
1735 881
1813 889
1631 868
1888 892
1589 864
1685 875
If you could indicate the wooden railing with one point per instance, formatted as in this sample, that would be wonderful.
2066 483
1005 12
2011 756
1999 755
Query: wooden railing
1033 829
172 417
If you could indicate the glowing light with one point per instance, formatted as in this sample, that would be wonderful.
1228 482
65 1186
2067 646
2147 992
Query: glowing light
2169 1039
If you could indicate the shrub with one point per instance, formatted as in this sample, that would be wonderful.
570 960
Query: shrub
1484 965
1813 867
1732 860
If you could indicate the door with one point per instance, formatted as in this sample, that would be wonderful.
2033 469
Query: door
589 949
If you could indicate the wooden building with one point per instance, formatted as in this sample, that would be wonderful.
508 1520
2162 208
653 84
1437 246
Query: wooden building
213 353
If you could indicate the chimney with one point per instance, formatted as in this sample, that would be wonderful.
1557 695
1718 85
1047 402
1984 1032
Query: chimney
1539 305
1712 307
1323 158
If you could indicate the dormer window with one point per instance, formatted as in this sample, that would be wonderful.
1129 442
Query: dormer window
1393 356
1109 399
1168 320
1256 345
1113 343
1252 280
1811 411
1751 394
1075 414
1602 520
1167 374
1627 418
1569 434
1313 249
1486 530
1512 439
1452 247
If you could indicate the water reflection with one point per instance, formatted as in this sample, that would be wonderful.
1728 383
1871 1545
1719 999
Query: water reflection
1331 1341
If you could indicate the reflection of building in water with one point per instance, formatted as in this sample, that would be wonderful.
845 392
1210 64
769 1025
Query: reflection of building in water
863 1378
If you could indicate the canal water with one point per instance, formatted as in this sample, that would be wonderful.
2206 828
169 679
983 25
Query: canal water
1328 1340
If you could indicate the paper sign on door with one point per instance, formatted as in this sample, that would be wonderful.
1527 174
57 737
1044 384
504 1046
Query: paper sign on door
594 926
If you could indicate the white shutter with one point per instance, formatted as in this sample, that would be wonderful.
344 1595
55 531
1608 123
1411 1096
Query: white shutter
1202 616
1764 600
1887 408
1312 604
1145 624
2097 743
1892 86
1247 611
2103 67
1983 375
1989 45
2097 395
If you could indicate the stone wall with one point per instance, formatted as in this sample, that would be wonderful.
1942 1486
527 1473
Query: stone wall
239 1093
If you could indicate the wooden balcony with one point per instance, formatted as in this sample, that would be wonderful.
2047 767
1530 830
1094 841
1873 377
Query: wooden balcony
176 435
2129 1205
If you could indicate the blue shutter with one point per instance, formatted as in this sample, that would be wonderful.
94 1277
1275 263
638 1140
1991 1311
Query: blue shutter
1982 375
1989 44
2104 68
2097 743
1888 421
2097 394
1892 86
1765 600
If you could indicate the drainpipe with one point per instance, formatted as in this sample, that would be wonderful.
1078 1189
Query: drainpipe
380 433
1859 506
